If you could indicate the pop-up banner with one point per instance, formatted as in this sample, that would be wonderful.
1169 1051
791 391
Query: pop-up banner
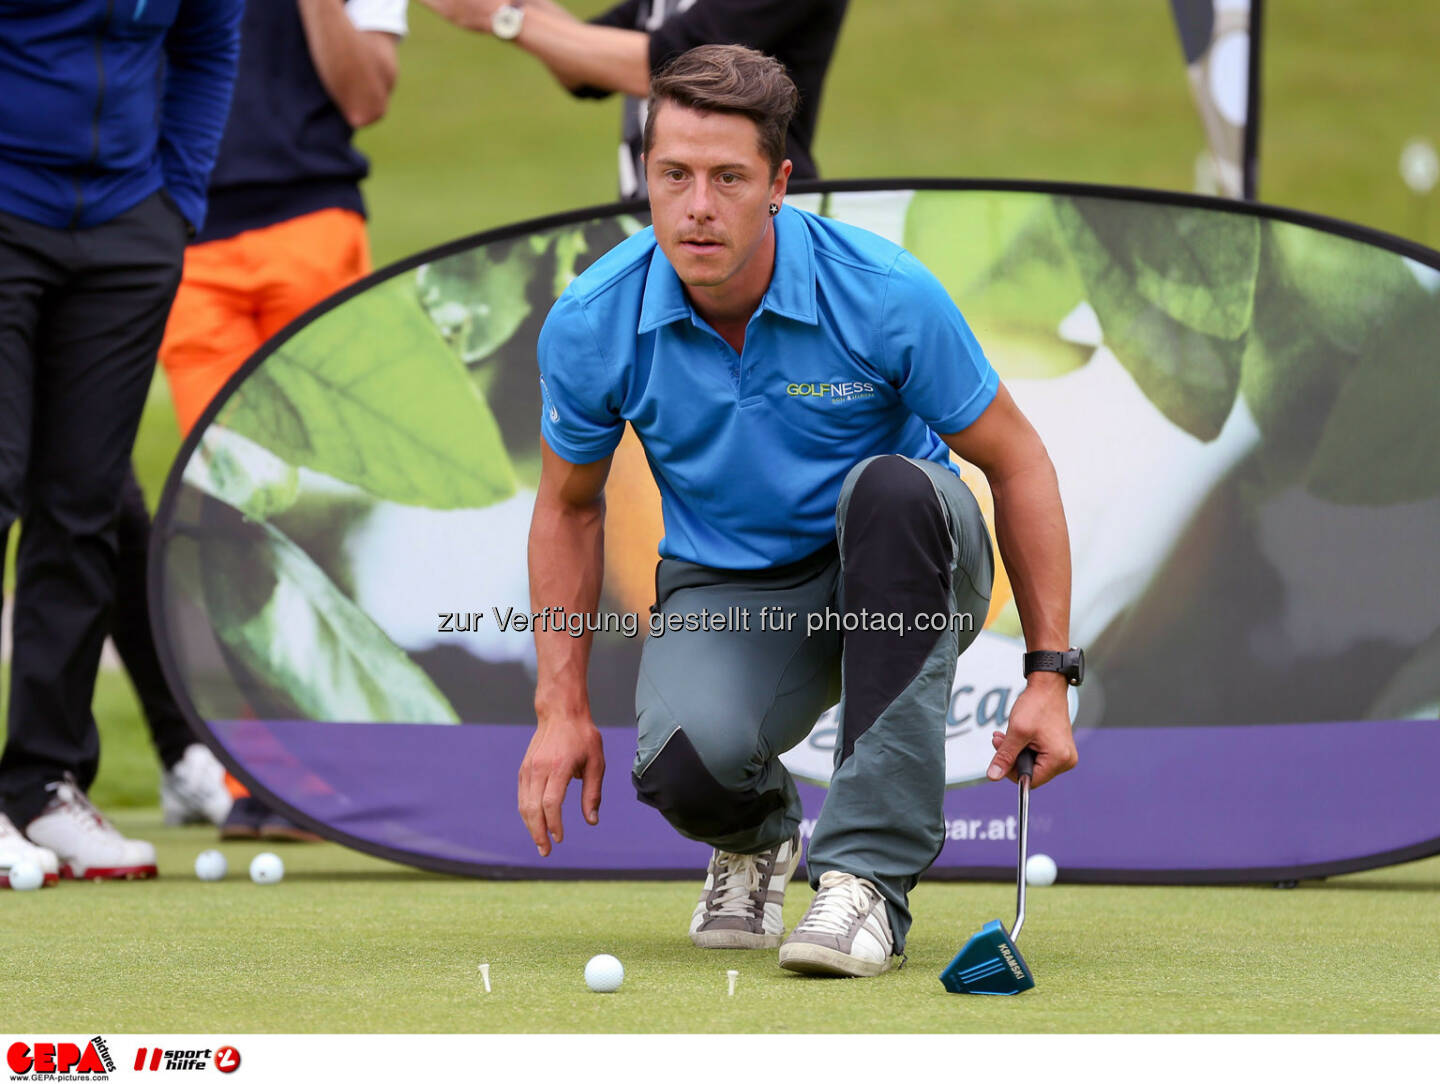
1240 402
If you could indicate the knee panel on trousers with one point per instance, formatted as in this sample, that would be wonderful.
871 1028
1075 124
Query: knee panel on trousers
678 784
897 552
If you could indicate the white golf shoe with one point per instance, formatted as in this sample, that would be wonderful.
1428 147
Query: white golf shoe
193 792
15 848
742 903
845 932
89 847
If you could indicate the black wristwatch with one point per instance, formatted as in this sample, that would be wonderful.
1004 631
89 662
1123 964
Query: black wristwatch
1070 663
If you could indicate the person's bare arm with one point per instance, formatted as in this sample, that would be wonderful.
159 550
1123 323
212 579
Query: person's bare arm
567 546
358 68
577 53
1035 546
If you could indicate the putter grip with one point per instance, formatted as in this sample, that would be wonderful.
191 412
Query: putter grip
1025 762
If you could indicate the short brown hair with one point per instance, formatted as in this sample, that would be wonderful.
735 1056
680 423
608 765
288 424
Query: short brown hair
729 79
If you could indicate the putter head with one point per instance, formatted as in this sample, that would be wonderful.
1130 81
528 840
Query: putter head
988 964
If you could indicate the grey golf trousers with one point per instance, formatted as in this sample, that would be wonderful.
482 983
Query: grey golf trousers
747 661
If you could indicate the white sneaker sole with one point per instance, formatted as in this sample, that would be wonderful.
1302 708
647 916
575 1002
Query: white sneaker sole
808 959
736 939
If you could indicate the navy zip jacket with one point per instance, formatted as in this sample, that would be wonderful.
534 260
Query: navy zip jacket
102 102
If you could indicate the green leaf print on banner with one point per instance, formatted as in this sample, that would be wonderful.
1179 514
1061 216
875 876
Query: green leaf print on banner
1174 289
1381 442
1321 305
477 298
370 394
304 643
242 474
1000 257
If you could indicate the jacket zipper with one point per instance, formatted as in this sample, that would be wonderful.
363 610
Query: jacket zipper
95 120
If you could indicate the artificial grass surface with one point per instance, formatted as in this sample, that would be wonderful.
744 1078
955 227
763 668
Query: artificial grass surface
347 943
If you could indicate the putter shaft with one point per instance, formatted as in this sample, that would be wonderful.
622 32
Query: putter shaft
1025 764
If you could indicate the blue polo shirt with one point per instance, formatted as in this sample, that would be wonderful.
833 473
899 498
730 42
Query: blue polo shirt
856 350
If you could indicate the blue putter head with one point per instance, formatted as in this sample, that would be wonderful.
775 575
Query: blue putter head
988 964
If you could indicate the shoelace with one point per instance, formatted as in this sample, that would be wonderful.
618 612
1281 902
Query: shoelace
77 806
836 904
737 877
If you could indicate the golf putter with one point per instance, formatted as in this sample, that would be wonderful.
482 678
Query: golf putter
990 962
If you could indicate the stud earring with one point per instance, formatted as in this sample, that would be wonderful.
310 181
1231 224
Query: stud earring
774 209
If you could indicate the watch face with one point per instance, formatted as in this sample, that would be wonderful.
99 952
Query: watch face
506 22
1079 667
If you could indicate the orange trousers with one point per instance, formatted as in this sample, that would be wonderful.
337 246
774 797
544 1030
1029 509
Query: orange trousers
238 292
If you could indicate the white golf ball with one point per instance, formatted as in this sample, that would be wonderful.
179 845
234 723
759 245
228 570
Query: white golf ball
210 865
1040 870
1419 166
266 868
604 974
26 876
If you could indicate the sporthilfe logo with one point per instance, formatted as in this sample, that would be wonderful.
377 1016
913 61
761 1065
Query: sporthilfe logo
225 1058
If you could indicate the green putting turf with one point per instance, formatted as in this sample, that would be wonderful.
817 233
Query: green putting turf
350 944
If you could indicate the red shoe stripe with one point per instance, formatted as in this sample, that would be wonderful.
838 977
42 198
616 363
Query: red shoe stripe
113 873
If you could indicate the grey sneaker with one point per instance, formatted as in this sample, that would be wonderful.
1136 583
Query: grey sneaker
744 895
845 932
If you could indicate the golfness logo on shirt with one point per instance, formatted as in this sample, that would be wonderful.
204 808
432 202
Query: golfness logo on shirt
838 391
60 1061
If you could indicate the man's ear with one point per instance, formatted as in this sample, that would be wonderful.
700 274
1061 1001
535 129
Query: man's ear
780 183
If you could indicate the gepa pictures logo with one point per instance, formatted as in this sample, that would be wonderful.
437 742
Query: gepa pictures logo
60 1061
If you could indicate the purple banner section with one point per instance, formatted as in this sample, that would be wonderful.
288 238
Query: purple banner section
1207 799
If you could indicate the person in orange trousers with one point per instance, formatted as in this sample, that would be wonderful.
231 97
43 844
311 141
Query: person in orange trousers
287 220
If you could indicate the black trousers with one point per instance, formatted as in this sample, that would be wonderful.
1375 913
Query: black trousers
82 313
130 628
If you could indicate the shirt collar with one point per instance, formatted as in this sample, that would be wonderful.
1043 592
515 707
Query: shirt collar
792 285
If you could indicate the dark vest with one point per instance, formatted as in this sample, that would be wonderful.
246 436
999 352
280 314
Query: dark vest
286 150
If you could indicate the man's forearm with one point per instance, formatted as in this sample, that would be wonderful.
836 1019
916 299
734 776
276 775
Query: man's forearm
567 545
1035 546
551 6
356 67
579 54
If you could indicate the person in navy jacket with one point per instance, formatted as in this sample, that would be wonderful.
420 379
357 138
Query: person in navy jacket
111 112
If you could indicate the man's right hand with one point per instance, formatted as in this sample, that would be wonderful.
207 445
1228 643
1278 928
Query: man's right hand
558 753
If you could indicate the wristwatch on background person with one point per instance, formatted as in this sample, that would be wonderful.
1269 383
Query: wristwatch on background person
1069 663
505 24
